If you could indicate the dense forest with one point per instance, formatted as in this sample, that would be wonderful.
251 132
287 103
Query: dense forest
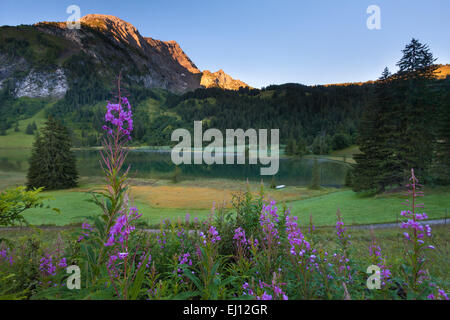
399 122
325 117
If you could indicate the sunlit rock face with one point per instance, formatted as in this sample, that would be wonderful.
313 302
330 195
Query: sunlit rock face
42 84
220 79
112 45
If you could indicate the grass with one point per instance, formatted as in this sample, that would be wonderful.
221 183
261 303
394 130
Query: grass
21 140
75 207
173 202
392 246
365 210
390 241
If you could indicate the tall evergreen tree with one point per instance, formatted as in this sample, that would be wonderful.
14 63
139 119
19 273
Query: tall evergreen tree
441 165
386 74
416 57
378 166
52 163
417 95
396 131
300 148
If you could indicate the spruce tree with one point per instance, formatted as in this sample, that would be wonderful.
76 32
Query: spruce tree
52 163
441 165
378 166
290 147
417 57
396 130
300 147
29 129
417 96
386 74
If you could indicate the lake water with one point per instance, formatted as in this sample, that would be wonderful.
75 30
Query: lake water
158 164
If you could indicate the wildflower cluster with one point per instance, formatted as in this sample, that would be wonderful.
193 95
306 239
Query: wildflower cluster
119 115
86 229
212 236
7 256
122 228
264 291
297 242
417 229
268 221
380 261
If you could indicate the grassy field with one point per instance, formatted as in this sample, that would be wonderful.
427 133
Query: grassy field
166 200
17 140
75 207
390 241
366 210
156 202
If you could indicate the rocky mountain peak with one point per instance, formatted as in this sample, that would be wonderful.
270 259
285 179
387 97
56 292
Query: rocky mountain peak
118 28
220 79
109 43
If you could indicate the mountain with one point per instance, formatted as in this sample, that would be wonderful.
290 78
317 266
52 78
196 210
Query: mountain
220 79
45 59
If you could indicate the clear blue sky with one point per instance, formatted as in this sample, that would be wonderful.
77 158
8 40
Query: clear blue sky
265 42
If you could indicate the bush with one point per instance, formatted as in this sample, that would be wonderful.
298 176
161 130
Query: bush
14 201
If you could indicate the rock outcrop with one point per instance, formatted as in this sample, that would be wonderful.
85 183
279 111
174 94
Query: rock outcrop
112 44
220 79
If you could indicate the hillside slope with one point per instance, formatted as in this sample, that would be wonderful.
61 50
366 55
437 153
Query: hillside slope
46 59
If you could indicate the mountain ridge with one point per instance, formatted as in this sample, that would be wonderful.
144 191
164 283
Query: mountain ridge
111 44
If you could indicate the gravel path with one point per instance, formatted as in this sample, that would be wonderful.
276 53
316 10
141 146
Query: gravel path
396 225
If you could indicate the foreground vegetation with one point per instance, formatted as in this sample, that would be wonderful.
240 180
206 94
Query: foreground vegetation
254 250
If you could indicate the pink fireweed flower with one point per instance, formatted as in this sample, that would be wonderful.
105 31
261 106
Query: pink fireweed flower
239 236
4 255
212 236
122 227
380 261
62 263
46 265
297 242
267 221
119 115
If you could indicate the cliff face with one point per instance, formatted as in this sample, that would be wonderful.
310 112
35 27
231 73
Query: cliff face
220 79
111 44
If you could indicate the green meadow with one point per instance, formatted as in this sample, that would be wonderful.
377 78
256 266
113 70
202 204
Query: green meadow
75 206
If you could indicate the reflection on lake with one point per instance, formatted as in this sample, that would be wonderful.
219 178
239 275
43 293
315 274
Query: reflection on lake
158 164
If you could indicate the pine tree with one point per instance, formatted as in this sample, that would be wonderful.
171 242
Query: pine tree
378 166
290 147
300 148
52 163
419 107
386 74
417 57
396 131
441 165
29 129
